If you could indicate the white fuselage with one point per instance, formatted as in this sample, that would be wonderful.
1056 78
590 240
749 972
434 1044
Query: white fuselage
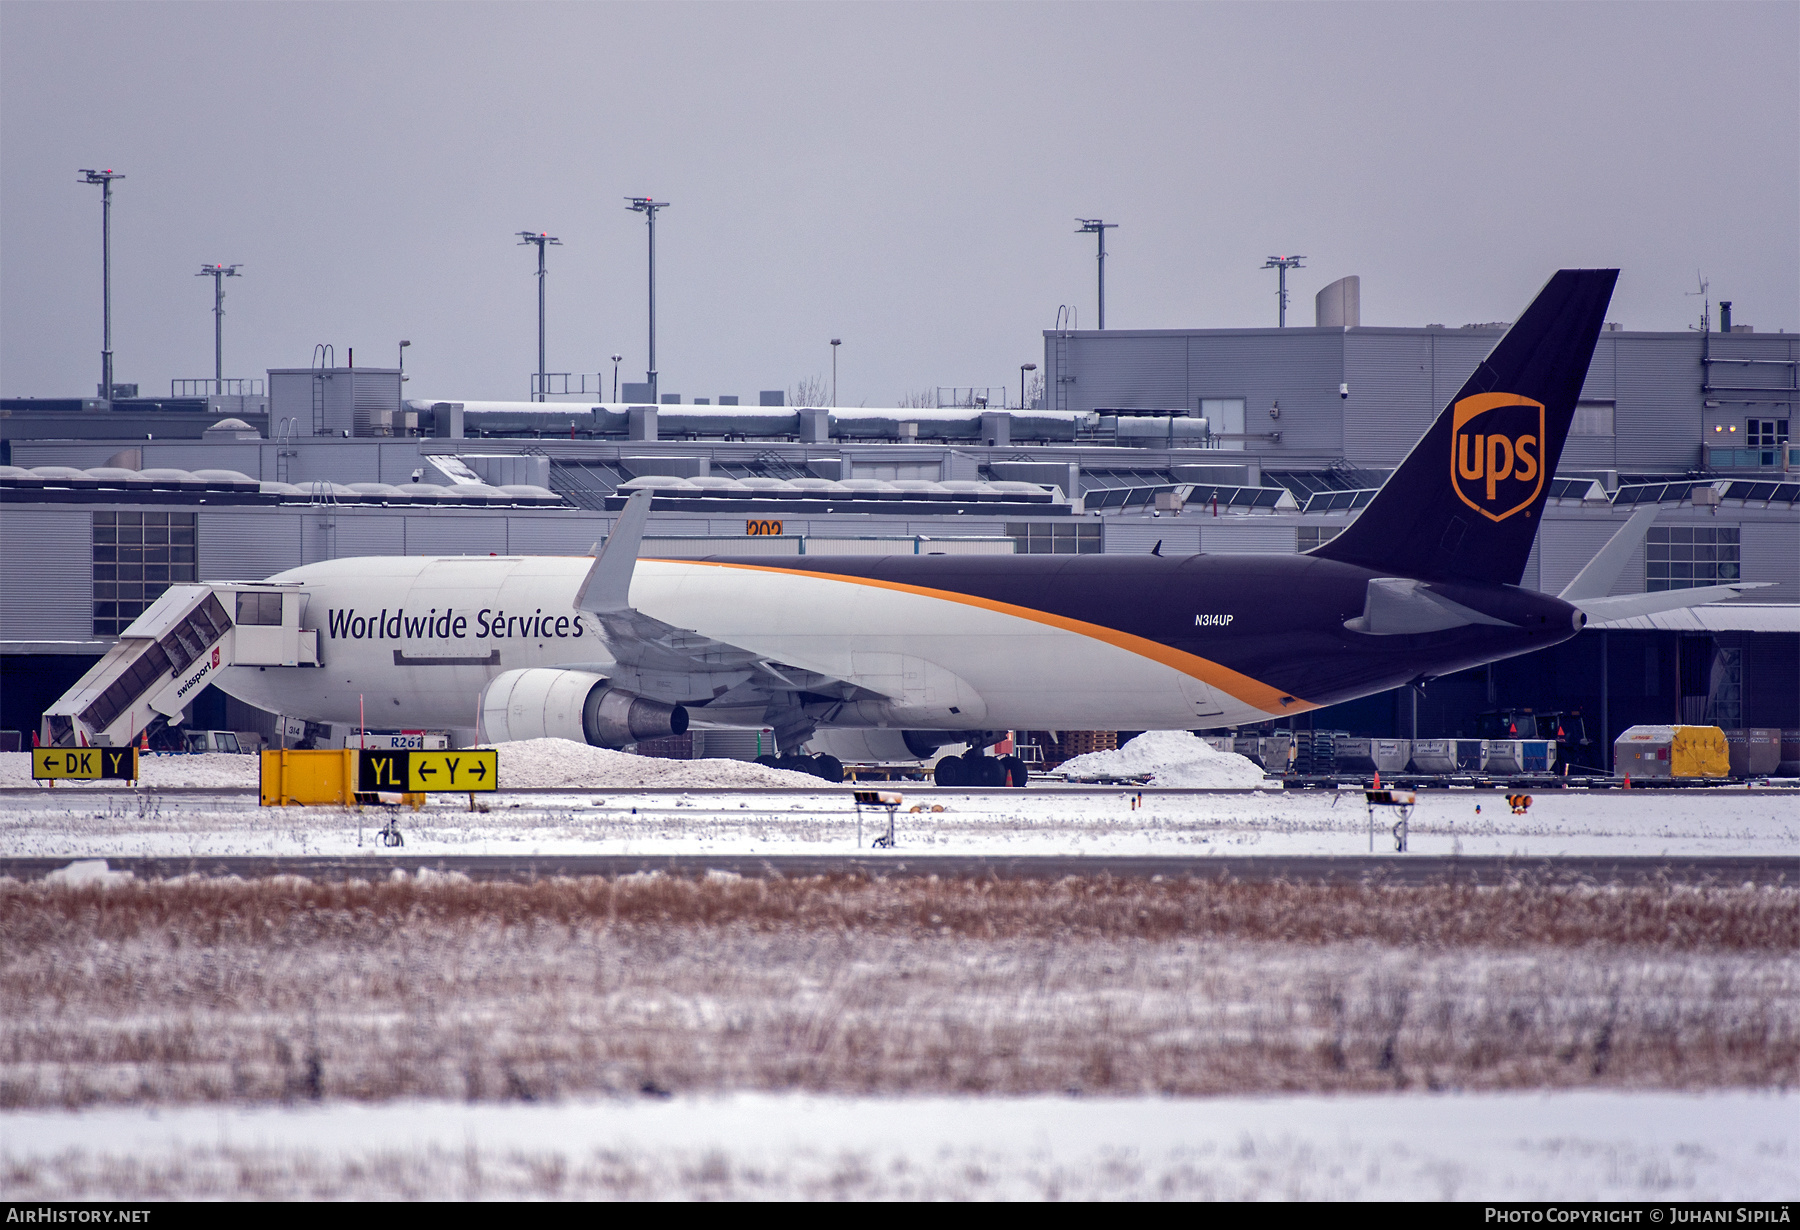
412 641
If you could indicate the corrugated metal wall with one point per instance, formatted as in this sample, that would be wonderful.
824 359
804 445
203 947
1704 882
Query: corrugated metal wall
247 545
318 534
1226 536
46 574
1298 368
1771 552
1138 537
1603 372
1454 354
1597 452
1658 417
1753 346
369 533
1139 371
350 461
560 535
456 534
1390 403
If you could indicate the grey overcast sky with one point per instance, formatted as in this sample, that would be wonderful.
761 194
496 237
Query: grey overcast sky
903 176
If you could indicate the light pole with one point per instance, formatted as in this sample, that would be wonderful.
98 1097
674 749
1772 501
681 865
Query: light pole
403 345
617 359
218 273
105 179
835 343
541 240
1283 263
644 205
1094 226
1023 368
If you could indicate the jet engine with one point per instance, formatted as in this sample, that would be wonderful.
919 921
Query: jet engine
562 704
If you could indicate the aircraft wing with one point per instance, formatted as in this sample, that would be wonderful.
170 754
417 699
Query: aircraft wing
1623 606
680 664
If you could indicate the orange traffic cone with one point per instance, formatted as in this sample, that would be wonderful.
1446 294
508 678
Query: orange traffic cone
1378 779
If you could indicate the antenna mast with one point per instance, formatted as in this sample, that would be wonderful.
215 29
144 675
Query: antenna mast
105 179
1705 302
1094 226
644 205
541 239
1283 263
218 273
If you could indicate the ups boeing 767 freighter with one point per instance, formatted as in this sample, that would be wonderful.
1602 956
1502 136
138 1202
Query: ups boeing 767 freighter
916 652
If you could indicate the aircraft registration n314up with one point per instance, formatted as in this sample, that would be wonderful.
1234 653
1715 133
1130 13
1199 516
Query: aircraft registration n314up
895 656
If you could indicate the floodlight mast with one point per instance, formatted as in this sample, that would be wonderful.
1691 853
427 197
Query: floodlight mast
541 239
105 179
1283 263
644 205
218 273
1094 226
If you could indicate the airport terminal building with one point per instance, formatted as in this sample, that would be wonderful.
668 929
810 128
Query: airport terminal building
1242 440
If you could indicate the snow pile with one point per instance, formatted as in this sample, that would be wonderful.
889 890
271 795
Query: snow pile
88 871
211 770
1167 758
549 764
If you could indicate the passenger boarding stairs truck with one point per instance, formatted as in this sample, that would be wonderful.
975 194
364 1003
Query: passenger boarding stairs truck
163 660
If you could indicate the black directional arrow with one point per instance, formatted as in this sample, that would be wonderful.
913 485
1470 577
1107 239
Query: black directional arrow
425 770
478 771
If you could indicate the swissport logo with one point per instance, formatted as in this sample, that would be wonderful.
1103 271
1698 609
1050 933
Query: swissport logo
1496 453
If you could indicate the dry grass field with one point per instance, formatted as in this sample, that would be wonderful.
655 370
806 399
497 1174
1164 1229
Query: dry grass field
199 991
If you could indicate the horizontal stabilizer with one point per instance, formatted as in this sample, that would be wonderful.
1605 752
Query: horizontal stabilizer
1399 606
608 585
1624 606
1597 579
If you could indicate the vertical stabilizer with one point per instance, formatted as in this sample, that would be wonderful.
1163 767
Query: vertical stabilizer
1466 502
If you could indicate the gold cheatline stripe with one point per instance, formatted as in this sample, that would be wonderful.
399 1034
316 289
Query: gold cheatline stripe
1252 692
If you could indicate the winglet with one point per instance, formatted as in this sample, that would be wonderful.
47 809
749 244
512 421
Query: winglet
608 585
1595 580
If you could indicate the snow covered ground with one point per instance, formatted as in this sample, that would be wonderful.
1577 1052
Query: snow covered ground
1100 820
1504 1147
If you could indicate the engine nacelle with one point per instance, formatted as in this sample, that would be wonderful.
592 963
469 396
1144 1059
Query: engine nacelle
542 703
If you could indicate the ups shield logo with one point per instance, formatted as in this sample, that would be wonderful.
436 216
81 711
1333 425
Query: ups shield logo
1496 453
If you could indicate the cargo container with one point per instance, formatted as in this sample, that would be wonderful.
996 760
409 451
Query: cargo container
1521 755
1449 755
1374 755
1268 751
1754 751
1670 752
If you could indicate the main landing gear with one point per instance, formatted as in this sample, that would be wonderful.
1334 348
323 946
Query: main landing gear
974 769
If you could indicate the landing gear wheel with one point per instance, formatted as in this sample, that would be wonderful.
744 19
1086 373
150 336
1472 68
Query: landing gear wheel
1016 772
979 770
949 772
767 761
828 767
